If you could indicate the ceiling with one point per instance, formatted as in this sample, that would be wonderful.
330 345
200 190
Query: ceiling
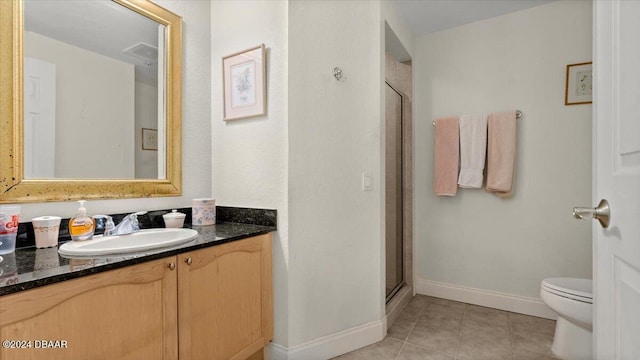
427 16
103 27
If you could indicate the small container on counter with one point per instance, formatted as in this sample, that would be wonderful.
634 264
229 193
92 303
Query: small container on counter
174 219
81 226
203 212
46 229
9 220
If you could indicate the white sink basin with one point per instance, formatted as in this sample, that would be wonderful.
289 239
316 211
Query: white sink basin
123 244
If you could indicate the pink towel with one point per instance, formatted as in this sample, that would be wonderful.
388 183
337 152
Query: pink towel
501 153
446 154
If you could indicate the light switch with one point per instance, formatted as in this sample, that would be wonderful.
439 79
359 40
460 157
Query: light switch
366 182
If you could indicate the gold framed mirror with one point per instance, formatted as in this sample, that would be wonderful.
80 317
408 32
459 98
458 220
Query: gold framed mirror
15 187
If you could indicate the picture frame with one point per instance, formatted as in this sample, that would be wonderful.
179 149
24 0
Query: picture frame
149 139
579 84
244 84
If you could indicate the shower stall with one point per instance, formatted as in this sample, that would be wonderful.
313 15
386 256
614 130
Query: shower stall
398 177
398 189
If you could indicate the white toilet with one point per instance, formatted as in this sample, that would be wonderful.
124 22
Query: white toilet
572 299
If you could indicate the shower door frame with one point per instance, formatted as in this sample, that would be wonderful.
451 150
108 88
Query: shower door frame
396 297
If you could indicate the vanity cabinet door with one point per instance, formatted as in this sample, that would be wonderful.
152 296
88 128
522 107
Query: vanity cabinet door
225 300
127 313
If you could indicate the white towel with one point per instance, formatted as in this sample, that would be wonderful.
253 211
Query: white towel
473 148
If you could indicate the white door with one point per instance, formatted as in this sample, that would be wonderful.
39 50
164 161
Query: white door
39 119
617 179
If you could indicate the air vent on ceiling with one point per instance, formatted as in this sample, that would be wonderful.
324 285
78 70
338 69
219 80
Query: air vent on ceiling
143 51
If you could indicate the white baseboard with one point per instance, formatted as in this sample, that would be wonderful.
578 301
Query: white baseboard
514 303
331 345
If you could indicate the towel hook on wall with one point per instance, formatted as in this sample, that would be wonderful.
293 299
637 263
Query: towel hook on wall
338 74
519 114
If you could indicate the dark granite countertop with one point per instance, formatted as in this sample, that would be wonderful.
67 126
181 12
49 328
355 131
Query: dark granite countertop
29 267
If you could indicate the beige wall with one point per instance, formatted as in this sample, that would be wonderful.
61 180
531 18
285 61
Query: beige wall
401 31
334 136
307 155
250 155
515 61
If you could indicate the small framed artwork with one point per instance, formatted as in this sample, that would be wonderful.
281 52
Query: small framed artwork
244 85
579 86
149 139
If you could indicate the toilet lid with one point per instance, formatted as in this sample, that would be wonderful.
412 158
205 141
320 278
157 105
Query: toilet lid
578 289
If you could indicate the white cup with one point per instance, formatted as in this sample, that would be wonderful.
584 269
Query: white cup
46 229
203 212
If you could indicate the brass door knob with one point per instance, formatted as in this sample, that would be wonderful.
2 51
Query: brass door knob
188 261
171 266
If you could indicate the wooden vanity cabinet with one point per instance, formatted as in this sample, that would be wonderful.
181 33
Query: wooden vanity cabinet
127 313
214 303
225 300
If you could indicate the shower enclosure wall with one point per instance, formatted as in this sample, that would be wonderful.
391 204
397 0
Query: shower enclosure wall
398 187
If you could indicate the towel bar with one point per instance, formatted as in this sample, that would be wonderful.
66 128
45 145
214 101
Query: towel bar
518 116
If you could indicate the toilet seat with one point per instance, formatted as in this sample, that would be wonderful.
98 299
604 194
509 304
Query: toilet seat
571 288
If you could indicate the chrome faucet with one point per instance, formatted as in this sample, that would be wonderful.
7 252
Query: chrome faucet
128 225
104 222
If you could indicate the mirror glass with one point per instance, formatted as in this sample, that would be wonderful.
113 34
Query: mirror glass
87 150
94 91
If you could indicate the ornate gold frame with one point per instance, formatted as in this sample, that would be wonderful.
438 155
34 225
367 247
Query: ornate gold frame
14 188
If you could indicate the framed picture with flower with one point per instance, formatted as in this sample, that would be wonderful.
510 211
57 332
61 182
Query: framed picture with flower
579 86
244 85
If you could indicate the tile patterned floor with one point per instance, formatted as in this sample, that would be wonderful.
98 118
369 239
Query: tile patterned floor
436 329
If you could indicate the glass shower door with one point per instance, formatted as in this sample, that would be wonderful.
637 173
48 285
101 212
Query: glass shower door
393 192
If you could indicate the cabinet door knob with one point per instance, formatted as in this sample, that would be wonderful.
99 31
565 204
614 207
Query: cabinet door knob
188 261
172 266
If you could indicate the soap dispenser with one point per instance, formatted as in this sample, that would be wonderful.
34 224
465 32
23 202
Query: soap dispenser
81 226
